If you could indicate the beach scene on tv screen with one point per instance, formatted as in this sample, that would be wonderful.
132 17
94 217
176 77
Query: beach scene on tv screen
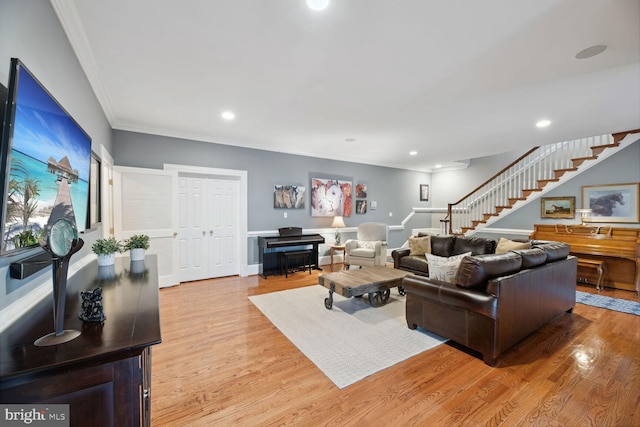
48 167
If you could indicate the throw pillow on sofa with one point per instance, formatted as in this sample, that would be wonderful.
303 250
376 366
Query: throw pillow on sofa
444 268
420 245
506 245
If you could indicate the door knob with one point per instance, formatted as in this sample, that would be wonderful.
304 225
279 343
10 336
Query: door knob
175 233
204 232
211 232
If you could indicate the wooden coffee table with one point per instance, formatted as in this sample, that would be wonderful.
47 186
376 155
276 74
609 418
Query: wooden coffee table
375 281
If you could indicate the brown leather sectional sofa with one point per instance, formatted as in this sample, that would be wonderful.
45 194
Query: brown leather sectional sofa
496 300
444 246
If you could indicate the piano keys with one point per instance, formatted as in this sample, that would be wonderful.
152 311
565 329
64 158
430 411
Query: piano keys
617 247
269 248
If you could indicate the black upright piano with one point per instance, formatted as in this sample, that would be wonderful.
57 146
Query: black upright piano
288 237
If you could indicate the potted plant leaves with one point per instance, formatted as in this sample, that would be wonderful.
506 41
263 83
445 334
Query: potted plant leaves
137 245
106 250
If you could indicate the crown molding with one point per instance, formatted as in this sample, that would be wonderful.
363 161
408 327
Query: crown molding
73 28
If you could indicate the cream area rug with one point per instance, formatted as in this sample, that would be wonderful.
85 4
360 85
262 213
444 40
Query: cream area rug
352 340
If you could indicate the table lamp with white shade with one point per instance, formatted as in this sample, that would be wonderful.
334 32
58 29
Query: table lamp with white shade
584 214
338 223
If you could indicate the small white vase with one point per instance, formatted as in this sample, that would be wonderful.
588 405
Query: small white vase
106 259
137 254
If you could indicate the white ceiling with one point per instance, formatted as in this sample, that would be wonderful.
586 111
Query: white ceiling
453 80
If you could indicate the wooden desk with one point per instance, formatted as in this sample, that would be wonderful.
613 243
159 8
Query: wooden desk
104 375
333 249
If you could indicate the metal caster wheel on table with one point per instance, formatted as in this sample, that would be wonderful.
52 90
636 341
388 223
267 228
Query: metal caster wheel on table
379 298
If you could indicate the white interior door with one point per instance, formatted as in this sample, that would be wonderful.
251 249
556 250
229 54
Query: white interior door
208 227
223 216
192 229
145 202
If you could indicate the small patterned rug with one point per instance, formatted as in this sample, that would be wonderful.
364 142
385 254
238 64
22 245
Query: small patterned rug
616 304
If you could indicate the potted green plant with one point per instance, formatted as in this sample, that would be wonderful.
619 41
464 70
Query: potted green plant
106 250
137 245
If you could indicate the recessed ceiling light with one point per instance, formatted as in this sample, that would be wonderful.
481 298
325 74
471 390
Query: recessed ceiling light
228 115
438 166
350 140
413 153
591 51
543 123
318 4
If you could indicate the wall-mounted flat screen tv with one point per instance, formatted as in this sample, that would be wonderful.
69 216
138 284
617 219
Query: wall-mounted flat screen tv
45 162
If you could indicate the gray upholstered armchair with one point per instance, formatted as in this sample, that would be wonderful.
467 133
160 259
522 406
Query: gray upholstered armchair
370 247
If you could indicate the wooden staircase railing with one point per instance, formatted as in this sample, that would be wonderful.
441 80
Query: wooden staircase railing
521 179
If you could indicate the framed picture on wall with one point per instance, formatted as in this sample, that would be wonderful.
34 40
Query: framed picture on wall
361 206
288 197
611 202
331 197
558 207
424 192
361 191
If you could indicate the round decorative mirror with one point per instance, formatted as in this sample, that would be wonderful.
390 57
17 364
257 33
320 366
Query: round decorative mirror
61 236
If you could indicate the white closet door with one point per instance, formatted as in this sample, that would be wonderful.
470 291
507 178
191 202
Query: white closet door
192 231
223 215
208 227
145 202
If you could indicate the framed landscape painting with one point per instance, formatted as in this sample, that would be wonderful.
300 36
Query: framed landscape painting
558 207
611 202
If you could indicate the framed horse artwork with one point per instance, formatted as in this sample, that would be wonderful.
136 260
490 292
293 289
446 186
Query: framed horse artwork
612 202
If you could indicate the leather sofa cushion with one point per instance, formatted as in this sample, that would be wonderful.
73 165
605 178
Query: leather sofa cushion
415 262
475 245
442 245
555 250
532 257
475 271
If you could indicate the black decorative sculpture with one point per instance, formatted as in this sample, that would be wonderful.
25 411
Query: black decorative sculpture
62 242
92 306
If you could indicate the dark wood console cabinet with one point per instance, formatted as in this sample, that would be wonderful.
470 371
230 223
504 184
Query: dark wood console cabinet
105 373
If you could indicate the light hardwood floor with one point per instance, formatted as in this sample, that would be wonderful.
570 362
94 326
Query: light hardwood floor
222 363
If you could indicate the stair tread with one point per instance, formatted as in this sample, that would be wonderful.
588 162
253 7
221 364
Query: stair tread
613 144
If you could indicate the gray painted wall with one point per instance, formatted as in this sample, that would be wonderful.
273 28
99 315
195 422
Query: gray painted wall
30 30
395 190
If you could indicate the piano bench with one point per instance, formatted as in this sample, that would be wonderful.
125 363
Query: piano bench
598 265
305 253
